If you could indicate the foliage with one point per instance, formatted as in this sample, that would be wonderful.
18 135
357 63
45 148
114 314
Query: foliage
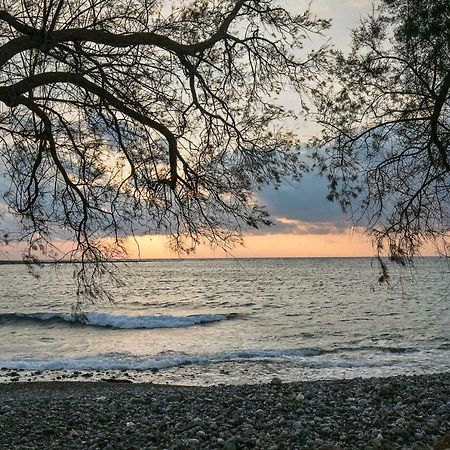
126 116
385 111
130 117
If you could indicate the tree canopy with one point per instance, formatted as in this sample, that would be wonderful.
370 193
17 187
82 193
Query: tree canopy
385 111
134 116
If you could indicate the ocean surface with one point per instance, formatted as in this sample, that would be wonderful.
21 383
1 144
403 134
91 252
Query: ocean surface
232 321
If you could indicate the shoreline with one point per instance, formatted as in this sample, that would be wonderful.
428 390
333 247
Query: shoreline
401 412
210 373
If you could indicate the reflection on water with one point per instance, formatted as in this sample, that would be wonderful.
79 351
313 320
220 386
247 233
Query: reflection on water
309 317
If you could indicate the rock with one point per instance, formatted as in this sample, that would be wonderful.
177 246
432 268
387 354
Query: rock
402 433
419 434
376 443
419 445
275 381
432 423
384 390
401 421
259 413
443 443
225 417
13 374
391 446
236 418
328 447
73 434
116 380
230 445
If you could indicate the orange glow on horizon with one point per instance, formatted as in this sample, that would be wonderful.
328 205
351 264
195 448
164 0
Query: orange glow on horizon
346 244
259 246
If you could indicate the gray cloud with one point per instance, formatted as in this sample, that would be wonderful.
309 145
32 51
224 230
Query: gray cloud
290 226
302 208
295 208
305 201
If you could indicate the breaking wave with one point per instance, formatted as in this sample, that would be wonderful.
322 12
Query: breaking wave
299 358
100 319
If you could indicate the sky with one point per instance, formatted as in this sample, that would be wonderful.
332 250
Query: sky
307 225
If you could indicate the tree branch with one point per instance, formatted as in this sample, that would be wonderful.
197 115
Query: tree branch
439 104
37 40
11 96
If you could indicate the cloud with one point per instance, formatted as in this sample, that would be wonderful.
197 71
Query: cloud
305 201
345 15
302 208
298 208
290 226
8 224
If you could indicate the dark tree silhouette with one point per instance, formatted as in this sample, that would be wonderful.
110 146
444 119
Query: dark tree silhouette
385 111
123 117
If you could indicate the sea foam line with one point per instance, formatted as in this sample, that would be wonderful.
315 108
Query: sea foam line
101 319
130 362
301 358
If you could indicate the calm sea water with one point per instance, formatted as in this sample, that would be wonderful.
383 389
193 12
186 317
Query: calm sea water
209 321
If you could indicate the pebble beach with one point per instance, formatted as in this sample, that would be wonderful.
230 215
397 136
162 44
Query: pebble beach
403 412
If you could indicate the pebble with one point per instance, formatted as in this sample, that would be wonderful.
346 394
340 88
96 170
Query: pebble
259 413
276 381
334 415
443 443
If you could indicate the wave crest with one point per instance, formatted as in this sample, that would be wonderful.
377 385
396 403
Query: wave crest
106 320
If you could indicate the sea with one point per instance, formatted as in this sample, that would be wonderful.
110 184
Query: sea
203 322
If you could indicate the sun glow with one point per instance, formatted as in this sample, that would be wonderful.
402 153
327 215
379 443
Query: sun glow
260 246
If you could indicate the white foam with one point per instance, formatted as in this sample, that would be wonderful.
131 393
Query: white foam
100 319
116 361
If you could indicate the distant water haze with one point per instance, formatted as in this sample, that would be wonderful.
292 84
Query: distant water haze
296 318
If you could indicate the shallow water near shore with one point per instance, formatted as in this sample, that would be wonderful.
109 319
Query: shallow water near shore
229 321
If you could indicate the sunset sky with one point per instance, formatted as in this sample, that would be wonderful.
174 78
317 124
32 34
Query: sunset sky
306 223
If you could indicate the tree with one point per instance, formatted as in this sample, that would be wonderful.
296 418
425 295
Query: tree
126 116
385 111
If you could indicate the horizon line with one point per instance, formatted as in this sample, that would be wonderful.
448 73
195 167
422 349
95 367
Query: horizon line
229 258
